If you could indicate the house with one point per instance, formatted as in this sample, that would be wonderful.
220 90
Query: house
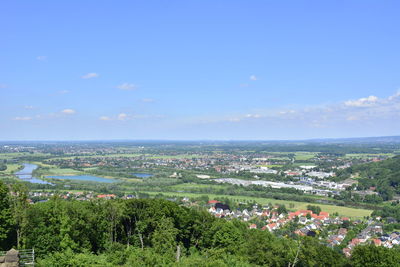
253 226
342 231
323 213
347 252
272 226
377 242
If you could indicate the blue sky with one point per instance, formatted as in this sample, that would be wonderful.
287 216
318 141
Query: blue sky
79 70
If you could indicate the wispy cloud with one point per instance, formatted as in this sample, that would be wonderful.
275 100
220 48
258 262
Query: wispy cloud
362 102
105 118
22 118
148 100
68 111
253 78
41 58
127 86
122 116
3 86
366 111
63 92
127 117
90 75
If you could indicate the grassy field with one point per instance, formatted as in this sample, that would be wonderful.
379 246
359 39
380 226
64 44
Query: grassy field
304 155
191 186
59 171
291 205
20 154
11 168
182 156
369 155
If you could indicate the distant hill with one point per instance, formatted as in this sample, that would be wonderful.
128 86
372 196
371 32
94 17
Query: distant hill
359 140
384 175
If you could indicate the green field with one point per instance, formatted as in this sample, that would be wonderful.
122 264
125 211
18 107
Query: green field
59 171
191 186
11 168
304 155
20 154
291 205
369 155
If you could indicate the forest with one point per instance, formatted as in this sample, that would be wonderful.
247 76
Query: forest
383 175
155 232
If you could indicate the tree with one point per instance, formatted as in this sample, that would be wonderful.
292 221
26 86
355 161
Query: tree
5 216
282 209
164 238
314 209
19 206
374 256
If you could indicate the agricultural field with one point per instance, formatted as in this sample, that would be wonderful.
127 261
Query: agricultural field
369 155
304 155
290 205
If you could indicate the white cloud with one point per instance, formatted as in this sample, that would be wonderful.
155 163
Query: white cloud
254 116
63 92
127 86
374 111
68 111
122 116
147 100
235 119
90 75
105 118
396 95
253 78
362 102
41 58
29 107
352 118
22 118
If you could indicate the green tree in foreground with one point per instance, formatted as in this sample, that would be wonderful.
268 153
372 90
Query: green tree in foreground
5 217
371 256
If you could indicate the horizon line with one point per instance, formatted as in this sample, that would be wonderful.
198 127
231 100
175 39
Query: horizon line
201 140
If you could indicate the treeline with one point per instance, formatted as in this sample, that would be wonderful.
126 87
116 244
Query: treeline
3 167
155 232
383 175
391 211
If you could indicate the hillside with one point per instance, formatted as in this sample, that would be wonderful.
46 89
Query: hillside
384 175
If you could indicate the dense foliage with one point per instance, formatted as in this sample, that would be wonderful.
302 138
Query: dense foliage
150 232
384 176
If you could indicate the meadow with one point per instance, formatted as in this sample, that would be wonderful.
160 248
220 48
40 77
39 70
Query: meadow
290 205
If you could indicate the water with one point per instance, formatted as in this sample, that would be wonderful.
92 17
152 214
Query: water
84 178
143 175
26 174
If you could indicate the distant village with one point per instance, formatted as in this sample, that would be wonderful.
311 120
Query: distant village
310 224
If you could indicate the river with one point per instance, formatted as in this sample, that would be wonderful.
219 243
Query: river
26 174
